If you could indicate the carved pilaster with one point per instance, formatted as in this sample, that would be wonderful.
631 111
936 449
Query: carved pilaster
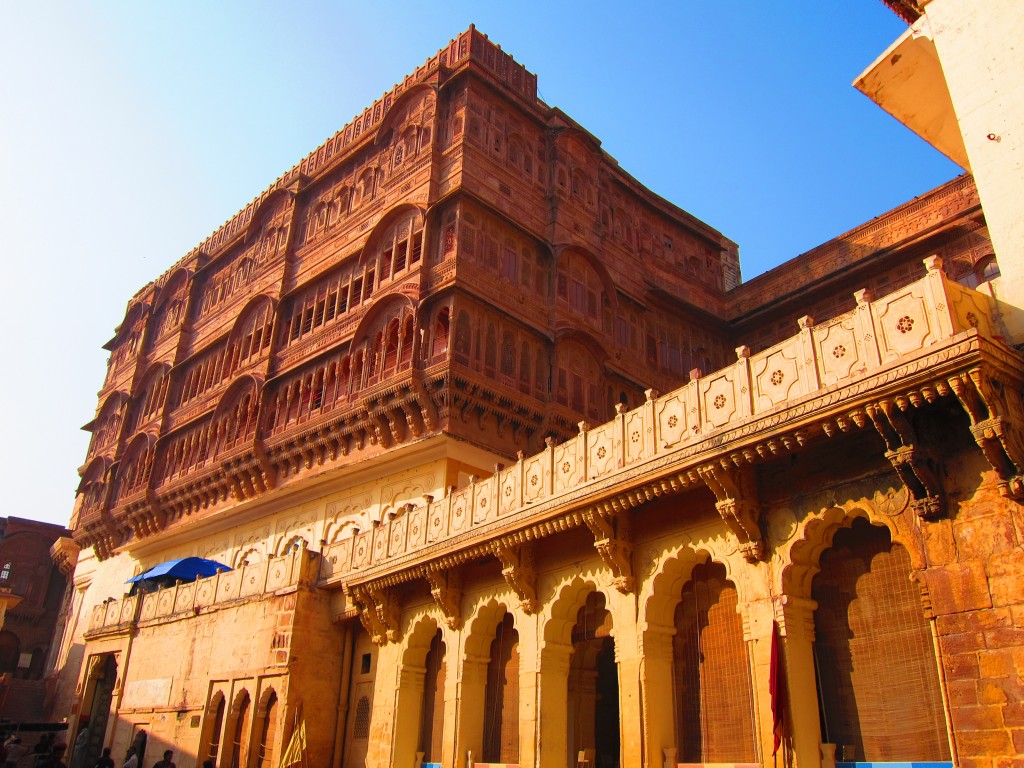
517 566
736 490
446 587
614 544
913 464
996 412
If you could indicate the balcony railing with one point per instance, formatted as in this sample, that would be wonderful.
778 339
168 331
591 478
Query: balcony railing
819 358
201 596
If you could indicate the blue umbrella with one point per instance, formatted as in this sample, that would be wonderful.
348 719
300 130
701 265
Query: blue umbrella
184 568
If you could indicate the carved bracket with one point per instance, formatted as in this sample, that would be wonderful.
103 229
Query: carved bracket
914 465
996 411
378 612
614 544
735 488
446 587
517 566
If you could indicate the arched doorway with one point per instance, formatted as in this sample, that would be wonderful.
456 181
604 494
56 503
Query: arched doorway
239 729
879 691
99 692
501 696
593 712
214 727
432 718
714 696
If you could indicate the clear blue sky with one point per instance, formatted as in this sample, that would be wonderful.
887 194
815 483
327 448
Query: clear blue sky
131 130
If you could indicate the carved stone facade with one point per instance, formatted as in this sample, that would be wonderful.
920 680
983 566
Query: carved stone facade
412 396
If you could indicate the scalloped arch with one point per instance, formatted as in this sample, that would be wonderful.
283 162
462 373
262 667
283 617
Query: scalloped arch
397 107
569 598
238 387
418 639
258 214
94 471
166 292
571 249
479 630
804 553
152 371
386 221
661 592
254 305
378 309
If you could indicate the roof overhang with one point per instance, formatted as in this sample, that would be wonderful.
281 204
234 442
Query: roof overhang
907 82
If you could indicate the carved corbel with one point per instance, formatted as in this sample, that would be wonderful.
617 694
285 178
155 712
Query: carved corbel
269 474
614 544
378 612
446 587
996 413
913 464
517 566
738 504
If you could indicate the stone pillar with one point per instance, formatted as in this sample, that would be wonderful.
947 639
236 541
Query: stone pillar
796 625
529 668
658 702
581 700
397 739
450 726
471 703
628 662
758 626
553 703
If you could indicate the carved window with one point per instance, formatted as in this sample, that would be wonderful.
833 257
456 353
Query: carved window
203 372
440 341
491 350
391 347
508 267
508 354
362 724
579 287
5 572
463 334
578 382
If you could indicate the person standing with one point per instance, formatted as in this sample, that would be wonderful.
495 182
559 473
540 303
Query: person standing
166 762
131 759
81 746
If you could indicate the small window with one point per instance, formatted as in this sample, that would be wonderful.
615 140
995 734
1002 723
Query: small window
5 572
364 664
